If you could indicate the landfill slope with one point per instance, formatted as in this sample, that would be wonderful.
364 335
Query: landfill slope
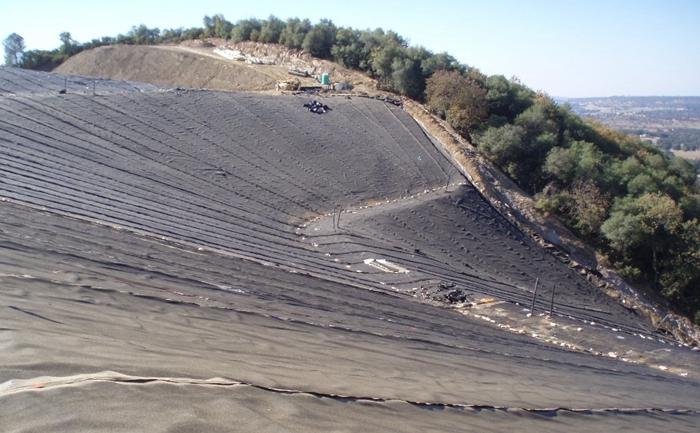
193 260
15 81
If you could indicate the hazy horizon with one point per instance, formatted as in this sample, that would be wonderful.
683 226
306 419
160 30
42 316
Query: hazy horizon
568 50
624 96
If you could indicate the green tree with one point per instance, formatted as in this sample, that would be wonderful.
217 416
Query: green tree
541 116
502 144
642 230
680 281
271 30
67 43
208 23
294 32
349 50
642 183
221 27
683 169
174 35
141 35
441 62
507 98
14 48
690 203
578 161
561 163
407 78
320 39
192 33
246 30
383 59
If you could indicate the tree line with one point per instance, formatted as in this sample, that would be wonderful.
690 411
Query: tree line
638 205
384 55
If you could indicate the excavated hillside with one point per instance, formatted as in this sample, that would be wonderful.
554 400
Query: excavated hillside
182 260
200 66
166 66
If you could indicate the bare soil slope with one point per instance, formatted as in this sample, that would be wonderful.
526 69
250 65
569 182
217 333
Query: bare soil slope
167 66
199 66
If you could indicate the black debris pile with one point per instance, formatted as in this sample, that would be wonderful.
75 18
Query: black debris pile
444 293
179 91
390 100
317 107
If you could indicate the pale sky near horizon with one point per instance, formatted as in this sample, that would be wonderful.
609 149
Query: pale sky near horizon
569 48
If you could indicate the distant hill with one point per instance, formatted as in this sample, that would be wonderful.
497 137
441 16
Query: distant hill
672 122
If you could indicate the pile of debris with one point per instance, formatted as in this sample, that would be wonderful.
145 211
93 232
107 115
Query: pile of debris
317 107
444 293
230 54
288 85
339 87
390 100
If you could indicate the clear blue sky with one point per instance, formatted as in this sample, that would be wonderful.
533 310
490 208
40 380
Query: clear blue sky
564 47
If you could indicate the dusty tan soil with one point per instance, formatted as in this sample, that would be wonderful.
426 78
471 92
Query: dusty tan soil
692 155
197 65
166 66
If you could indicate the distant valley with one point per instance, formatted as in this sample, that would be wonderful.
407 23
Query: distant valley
671 122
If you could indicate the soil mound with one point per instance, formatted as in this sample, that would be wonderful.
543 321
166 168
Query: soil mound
168 67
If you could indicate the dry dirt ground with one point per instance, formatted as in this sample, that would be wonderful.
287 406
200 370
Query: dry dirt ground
168 66
200 67
173 261
692 155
